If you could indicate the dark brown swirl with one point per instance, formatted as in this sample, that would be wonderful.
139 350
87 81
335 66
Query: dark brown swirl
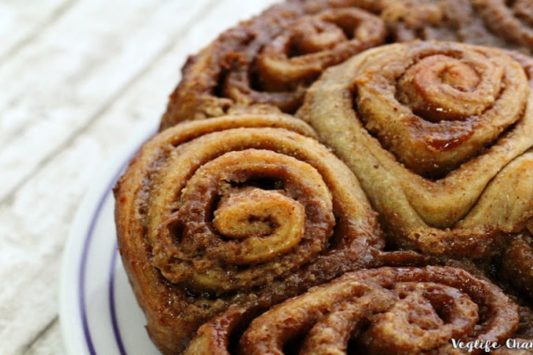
236 210
268 62
313 43
379 311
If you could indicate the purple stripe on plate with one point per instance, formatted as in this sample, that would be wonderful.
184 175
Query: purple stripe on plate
112 308
83 266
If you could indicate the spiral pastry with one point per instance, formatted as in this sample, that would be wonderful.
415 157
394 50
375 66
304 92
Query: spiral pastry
439 135
379 311
268 61
212 211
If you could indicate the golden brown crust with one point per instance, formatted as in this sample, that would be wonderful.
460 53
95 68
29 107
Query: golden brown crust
210 212
400 117
379 311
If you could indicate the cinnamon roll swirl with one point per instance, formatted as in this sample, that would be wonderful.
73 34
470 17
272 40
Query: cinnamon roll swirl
242 210
440 136
268 61
379 311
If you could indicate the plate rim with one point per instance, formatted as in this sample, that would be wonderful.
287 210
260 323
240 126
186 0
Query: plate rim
72 326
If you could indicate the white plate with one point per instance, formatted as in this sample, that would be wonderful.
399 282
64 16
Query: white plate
98 311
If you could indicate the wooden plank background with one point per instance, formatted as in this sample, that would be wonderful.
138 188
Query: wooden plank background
77 79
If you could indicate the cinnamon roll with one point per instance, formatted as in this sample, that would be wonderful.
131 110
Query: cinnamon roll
267 62
439 135
242 210
379 311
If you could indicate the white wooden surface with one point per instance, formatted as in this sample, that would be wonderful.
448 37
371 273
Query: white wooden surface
77 77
